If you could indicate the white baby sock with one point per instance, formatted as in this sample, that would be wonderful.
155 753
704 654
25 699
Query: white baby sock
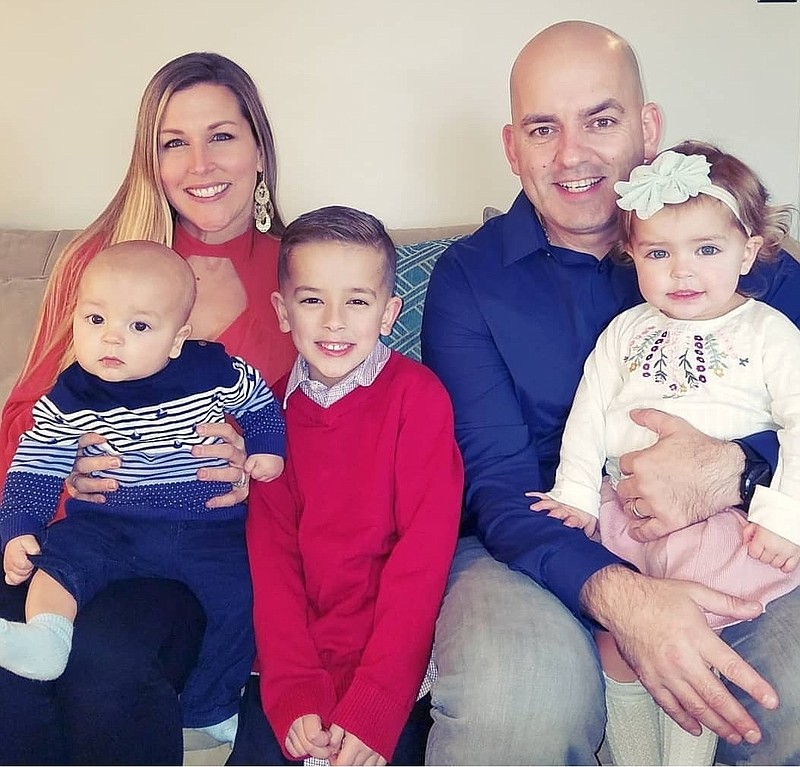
224 732
683 748
632 731
38 649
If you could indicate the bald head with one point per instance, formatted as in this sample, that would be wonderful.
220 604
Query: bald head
169 277
578 125
569 44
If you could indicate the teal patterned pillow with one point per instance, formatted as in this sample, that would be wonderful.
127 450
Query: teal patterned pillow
414 266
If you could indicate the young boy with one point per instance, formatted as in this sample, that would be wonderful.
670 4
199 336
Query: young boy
351 548
141 385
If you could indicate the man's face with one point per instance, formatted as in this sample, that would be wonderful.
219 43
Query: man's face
579 126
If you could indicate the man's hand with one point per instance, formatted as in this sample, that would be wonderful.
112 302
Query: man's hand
307 737
16 564
80 483
685 477
232 450
348 749
661 632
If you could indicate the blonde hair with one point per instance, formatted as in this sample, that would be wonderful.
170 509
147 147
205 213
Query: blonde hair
772 222
140 209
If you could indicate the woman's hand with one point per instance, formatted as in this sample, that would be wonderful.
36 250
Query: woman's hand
81 484
232 450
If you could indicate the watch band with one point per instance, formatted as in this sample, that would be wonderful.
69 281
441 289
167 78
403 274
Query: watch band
757 471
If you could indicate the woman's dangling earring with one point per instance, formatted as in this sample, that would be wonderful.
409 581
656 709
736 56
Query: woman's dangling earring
263 210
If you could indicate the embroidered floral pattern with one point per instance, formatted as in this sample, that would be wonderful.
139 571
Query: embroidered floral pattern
679 359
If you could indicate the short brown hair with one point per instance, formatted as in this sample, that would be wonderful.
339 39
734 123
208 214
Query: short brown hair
338 223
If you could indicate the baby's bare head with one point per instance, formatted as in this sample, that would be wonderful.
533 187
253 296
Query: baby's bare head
168 279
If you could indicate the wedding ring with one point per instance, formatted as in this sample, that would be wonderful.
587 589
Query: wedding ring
635 511
242 481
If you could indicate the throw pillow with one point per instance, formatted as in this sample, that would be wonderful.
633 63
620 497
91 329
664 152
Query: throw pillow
491 212
414 266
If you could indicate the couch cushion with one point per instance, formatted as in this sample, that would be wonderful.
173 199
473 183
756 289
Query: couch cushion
26 258
20 299
414 266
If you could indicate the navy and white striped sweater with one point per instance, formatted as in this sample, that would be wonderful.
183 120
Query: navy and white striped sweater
150 423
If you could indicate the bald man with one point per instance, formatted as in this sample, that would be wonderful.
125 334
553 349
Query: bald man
511 314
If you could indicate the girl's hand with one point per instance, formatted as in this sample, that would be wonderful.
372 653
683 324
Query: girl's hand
569 515
80 483
770 548
232 450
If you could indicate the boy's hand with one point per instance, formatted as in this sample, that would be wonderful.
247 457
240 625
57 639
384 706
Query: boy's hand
771 548
16 564
348 749
569 515
264 466
307 737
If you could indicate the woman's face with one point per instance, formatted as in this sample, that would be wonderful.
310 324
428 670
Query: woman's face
208 162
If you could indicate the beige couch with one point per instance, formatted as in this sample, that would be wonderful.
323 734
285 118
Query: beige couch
27 256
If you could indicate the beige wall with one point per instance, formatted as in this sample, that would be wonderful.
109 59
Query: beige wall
394 106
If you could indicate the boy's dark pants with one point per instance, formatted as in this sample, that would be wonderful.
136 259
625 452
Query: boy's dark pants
256 742
88 550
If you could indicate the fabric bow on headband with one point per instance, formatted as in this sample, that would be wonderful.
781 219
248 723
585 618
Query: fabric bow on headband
670 179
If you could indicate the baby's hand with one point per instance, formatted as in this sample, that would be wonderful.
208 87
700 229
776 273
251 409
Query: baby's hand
264 466
307 737
569 515
16 564
771 548
348 749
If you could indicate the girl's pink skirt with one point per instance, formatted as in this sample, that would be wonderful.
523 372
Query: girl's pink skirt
711 552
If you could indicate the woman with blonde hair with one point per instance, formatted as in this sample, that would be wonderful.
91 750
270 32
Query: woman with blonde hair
202 179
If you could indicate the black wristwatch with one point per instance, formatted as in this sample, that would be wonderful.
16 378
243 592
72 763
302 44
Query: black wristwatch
757 471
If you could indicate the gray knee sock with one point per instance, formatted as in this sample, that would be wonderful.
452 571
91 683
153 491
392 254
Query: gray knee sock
681 747
632 732
224 732
38 649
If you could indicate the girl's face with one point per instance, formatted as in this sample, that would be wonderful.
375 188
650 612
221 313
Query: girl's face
208 161
689 258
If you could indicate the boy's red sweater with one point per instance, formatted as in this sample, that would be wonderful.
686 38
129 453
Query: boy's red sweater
350 551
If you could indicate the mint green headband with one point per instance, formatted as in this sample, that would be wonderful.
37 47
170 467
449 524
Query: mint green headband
670 179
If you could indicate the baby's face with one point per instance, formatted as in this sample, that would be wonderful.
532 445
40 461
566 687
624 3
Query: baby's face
127 325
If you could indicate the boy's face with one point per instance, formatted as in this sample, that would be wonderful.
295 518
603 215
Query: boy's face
127 325
335 304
